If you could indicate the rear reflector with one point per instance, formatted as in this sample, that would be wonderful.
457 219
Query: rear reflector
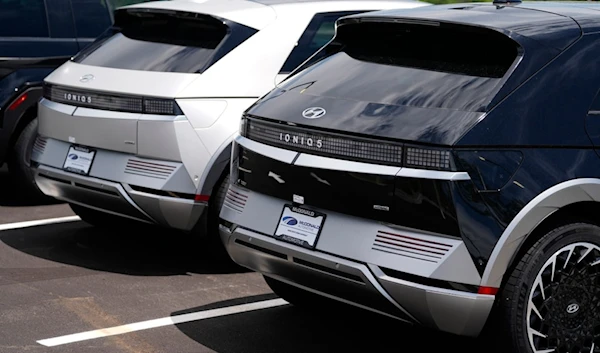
488 290
22 98
202 198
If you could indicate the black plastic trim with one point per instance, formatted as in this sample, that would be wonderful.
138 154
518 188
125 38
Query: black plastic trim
430 282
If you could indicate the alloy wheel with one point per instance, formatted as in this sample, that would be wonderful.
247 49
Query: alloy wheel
563 310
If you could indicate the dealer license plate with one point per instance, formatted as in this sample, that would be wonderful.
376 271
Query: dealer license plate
79 160
300 226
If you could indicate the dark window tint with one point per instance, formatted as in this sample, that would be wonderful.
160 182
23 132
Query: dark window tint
23 18
167 42
458 67
92 17
455 49
60 18
320 30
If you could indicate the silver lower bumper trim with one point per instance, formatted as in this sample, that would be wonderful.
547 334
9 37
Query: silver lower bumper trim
118 199
359 284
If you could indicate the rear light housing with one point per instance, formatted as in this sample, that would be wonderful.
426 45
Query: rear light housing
161 107
112 101
17 102
428 158
243 126
347 147
201 198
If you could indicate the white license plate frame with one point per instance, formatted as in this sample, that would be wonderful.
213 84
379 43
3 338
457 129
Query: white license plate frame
300 226
79 159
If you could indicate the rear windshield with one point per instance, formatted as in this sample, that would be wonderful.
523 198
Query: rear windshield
430 66
164 41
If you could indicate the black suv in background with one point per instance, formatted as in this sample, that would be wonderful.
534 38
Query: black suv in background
36 36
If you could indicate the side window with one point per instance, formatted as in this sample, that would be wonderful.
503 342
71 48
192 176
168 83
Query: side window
319 31
23 18
92 17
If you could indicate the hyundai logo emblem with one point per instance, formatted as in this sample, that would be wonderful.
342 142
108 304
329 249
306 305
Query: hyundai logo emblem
572 308
86 78
73 156
313 112
290 221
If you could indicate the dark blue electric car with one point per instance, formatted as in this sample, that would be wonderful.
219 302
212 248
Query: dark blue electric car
37 36
439 165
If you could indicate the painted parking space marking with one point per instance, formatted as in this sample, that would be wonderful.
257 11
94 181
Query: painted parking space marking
165 321
39 222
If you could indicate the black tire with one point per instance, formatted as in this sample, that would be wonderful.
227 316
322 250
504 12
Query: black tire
214 206
206 233
568 302
19 163
298 296
101 219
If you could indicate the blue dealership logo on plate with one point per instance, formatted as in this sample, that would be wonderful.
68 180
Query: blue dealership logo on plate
73 156
290 221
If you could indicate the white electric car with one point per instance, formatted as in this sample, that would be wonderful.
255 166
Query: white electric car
140 124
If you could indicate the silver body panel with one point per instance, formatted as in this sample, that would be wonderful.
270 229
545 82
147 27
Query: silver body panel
344 265
116 184
530 216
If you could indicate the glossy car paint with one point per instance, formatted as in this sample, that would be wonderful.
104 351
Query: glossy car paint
529 150
194 146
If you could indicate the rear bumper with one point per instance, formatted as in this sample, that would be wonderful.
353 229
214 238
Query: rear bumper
383 268
118 198
362 285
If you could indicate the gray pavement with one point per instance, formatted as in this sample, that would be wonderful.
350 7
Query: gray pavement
68 278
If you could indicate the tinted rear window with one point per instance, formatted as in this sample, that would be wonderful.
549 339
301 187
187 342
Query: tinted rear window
166 42
431 66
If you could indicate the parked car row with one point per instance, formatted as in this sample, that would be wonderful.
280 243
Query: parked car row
435 164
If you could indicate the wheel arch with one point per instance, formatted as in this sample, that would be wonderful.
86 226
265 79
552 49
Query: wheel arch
575 200
216 168
27 115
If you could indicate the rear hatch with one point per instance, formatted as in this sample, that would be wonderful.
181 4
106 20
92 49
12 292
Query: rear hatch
135 69
417 80
393 92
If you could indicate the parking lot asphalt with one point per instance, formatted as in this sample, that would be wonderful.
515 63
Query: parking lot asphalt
139 290
15 207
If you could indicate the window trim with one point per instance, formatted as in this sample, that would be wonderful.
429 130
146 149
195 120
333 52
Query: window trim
314 24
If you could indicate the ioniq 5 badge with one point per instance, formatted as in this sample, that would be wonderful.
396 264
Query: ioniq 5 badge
313 112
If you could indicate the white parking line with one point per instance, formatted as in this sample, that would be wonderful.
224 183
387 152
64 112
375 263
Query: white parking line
165 321
40 222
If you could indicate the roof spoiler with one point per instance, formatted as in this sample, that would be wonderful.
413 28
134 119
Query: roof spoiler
506 2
